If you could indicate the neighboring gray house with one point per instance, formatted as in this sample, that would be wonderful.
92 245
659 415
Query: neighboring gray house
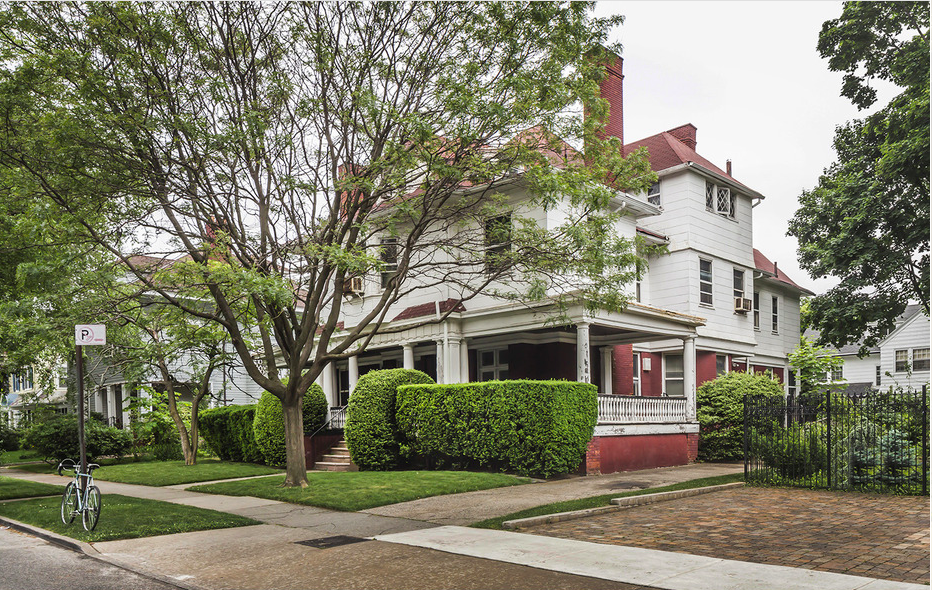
901 359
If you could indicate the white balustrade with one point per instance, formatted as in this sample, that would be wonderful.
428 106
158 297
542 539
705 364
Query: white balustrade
337 418
622 409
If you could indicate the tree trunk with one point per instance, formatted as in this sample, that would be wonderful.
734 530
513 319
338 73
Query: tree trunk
193 432
179 423
295 467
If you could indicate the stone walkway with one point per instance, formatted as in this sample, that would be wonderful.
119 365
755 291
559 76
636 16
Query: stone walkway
872 535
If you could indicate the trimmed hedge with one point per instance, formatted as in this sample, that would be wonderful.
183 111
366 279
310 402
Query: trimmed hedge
269 422
56 438
538 428
371 431
229 433
720 411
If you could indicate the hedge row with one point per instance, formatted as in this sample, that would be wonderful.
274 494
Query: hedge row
371 431
269 422
538 428
228 432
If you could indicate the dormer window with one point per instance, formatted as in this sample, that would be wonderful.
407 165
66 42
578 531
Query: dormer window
653 194
721 200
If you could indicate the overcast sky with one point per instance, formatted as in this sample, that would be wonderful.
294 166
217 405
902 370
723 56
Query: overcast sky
749 77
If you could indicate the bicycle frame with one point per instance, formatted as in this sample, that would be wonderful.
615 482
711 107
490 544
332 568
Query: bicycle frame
81 496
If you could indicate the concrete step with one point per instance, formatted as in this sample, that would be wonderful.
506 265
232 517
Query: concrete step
326 466
336 459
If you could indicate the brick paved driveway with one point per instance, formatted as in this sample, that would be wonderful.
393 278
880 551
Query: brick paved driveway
877 536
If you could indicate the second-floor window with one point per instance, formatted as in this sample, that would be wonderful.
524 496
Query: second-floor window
653 194
756 310
877 375
739 283
774 313
705 282
389 257
497 243
901 361
920 359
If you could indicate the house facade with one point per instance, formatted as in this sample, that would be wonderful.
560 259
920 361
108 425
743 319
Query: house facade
900 359
711 304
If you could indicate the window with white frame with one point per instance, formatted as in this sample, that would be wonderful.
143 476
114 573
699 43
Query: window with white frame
920 359
636 374
901 361
721 364
389 258
838 373
739 283
493 364
774 313
757 310
653 194
705 282
497 243
877 375
673 375
721 200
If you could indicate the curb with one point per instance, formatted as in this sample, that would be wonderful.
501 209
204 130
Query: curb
88 550
617 504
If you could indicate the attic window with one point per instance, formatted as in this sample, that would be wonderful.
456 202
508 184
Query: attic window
721 200
389 258
497 243
653 194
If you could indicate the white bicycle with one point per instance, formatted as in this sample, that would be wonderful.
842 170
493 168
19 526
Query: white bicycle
81 496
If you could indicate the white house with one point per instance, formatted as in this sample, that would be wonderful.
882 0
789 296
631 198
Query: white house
712 304
900 359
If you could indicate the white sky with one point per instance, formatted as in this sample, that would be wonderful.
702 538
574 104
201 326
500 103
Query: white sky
749 77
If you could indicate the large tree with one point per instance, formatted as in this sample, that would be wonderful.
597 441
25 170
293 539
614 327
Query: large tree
867 221
276 146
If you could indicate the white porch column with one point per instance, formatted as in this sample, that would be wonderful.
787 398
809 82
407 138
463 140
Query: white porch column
329 383
464 361
408 356
353 372
441 362
607 369
583 365
111 403
453 358
689 376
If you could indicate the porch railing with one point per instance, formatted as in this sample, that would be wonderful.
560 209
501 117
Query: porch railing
623 409
337 418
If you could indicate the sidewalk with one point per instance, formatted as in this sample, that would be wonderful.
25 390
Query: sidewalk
409 553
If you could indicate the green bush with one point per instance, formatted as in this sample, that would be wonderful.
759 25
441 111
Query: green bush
371 431
538 428
9 437
56 439
720 410
229 433
269 422
796 452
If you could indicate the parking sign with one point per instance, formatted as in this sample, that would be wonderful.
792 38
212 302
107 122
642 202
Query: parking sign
90 335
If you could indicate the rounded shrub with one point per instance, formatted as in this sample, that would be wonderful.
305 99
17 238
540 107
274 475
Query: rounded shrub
56 438
269 422
720 410
371 430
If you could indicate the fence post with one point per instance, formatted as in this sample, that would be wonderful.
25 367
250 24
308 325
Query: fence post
828 431
925 441
744 442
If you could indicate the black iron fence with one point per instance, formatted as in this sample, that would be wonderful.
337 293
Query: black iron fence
879 442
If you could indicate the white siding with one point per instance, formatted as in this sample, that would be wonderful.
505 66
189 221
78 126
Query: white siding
913 334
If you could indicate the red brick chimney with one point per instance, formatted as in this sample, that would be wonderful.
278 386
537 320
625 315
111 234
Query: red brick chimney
686 134
610 88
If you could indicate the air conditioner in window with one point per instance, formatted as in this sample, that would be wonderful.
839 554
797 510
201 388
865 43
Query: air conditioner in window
743 305
354 286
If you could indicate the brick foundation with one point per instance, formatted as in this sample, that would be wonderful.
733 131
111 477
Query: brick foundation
692 447
594 456
610 454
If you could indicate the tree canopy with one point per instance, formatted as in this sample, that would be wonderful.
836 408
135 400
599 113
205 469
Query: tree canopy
286 150
867 221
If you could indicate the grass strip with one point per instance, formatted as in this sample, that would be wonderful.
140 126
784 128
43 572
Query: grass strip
20 456
604 500
351 491
122 517
11 488
167 473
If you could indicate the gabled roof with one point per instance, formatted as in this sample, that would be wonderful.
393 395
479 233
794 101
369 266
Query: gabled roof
764 265
849 349
813 335
424 309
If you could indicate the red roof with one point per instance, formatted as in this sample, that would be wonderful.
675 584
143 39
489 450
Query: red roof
762 263
416 311
666 151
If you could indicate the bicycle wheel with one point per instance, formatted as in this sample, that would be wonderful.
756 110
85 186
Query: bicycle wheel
91 512
69 503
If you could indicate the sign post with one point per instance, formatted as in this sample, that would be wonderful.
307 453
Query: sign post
85 335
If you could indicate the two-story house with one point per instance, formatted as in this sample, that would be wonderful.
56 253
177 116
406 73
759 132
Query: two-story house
711 304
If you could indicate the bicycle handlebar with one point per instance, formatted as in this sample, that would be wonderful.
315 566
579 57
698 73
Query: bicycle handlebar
66 464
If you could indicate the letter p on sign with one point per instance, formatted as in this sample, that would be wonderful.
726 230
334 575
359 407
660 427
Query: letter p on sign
90 335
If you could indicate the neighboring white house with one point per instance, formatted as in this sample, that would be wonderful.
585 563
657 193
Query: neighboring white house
35 386
900 359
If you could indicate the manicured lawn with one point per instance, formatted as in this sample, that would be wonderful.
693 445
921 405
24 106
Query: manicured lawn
11 488
122 518
605 500
166 473
364 489
14 457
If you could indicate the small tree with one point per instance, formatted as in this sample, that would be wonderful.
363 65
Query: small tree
814 366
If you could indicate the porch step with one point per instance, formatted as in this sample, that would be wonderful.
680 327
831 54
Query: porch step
338 459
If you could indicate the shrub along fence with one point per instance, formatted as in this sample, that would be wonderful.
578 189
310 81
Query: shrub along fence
878 443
